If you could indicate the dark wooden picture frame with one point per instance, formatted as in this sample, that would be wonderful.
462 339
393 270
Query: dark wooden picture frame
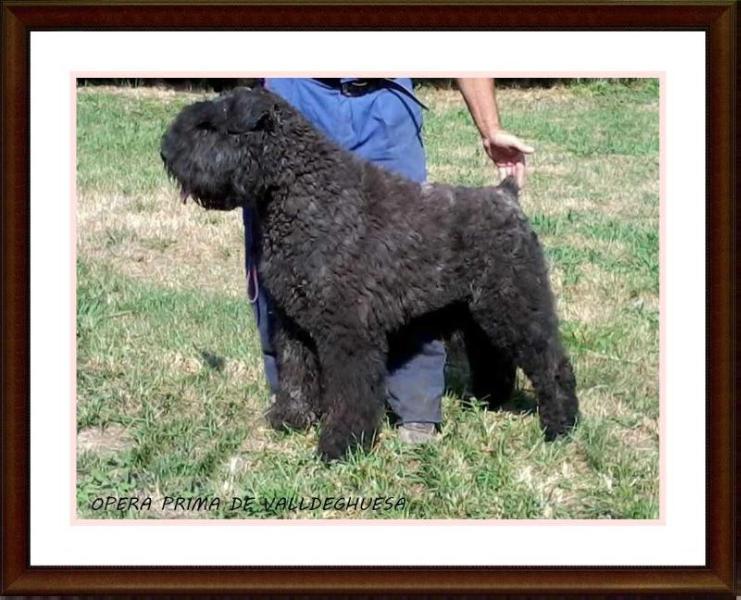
720 23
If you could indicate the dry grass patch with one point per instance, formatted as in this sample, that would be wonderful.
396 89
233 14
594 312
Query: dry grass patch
642 438
177 362
557 186
145 92
259 440
242 371
104 440
449 98
584 301
169 244
440 98
599 402
557 490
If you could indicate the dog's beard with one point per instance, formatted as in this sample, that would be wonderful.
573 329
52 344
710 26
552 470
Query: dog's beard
207 201
225 204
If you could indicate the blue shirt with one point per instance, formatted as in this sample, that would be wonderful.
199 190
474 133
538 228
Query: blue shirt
383 126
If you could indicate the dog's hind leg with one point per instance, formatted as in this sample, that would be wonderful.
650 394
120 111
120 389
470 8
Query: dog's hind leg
353 379
297 399
531 336
492 369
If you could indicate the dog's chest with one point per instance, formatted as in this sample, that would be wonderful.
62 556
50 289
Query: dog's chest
291 262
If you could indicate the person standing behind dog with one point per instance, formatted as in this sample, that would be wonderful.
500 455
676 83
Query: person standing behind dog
381 121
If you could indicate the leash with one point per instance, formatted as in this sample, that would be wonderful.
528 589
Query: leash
253 283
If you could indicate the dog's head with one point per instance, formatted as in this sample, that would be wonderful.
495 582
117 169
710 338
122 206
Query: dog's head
217 150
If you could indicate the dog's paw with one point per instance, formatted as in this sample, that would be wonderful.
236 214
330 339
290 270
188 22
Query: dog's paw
290 415
331 449
338 443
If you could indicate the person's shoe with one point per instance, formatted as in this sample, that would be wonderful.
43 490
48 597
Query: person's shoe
417 433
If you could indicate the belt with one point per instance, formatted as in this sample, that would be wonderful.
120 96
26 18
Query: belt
361 87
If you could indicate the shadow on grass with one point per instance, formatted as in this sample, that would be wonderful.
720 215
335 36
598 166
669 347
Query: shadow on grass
213 361
458 384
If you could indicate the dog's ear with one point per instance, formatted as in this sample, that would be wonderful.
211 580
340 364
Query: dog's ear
249 111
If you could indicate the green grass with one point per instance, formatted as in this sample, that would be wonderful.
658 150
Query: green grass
118 139
169 383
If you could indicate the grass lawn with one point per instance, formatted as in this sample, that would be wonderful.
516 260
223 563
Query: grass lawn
170 390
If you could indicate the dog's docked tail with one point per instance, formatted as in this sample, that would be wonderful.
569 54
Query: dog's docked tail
509 185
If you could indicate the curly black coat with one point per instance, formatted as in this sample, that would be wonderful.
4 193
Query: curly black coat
354 257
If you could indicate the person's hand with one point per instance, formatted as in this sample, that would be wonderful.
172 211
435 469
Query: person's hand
508 152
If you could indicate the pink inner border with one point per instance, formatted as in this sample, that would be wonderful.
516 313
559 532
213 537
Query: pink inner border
661 76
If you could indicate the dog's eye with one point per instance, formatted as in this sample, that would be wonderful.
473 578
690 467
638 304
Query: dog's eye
205 126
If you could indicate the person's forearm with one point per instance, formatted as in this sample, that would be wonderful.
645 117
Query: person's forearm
478 92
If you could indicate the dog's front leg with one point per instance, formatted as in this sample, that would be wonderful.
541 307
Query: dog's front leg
353 378
297 400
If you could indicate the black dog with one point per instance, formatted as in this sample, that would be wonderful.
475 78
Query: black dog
354 257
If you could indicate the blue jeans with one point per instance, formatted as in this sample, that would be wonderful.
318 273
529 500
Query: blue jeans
384 127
